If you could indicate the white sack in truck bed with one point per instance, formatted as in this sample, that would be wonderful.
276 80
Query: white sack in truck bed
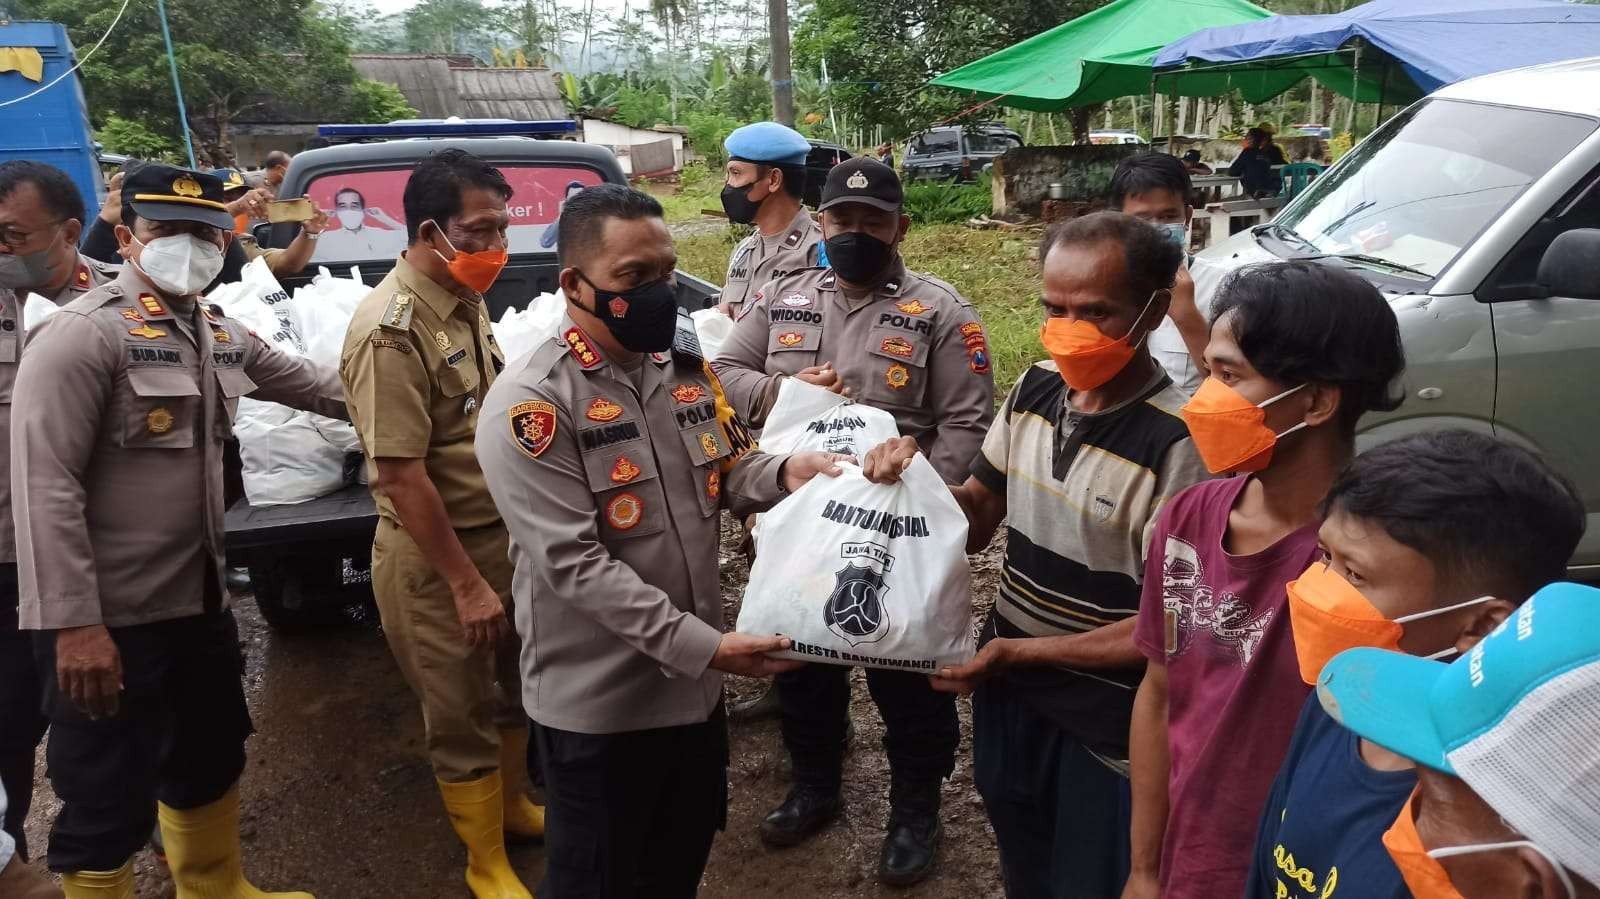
857 573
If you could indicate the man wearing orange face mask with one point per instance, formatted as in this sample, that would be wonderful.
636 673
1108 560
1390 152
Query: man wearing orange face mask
1430 542
1504 739
417 361
1299 351
1086 449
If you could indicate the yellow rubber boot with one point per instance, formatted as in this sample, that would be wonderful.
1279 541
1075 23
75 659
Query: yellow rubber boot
477 814
523 819
116 884
203 851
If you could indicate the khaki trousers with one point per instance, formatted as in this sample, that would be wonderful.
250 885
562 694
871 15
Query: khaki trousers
468 696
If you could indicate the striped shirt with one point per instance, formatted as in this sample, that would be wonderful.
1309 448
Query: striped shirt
1082 494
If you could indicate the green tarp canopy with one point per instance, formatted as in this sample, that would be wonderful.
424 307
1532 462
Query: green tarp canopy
1096 57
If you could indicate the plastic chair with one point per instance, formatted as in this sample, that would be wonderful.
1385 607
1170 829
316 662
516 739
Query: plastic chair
1296 176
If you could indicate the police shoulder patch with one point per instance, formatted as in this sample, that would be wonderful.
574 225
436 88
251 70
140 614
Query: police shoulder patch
533 426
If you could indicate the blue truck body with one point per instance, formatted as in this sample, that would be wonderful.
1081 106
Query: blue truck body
53 125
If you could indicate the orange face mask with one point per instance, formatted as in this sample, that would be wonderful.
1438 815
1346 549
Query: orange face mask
1329 615
1085 356
476 271
1230 431
1426 878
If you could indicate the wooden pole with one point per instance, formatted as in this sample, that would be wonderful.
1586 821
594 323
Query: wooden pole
782 79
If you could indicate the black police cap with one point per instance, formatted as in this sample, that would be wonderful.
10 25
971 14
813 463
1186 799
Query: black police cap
165 193
862 179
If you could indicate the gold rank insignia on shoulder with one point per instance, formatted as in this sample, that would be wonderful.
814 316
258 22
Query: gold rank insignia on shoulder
147 332
442 339
579 346
897 376
159 420
398 315
533 426
151 304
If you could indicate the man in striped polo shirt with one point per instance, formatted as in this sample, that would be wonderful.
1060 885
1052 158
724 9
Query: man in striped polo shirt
1085 451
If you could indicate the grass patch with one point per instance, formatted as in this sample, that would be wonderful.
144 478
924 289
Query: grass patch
990 268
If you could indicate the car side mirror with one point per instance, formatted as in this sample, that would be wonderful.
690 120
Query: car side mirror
1570 266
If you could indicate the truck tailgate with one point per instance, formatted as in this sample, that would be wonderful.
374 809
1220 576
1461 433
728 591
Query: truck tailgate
340 518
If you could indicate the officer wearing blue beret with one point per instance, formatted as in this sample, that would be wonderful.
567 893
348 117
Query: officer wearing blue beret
762 185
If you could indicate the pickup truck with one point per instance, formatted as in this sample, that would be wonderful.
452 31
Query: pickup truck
1477 212
307 559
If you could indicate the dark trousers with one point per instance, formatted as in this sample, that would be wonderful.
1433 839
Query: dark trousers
1060 815
178 737
22 721
920 727
632 814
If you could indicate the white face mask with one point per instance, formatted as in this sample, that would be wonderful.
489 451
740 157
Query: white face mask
182 265
1561 872
351 219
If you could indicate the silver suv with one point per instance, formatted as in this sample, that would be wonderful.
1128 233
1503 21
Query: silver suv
1477 212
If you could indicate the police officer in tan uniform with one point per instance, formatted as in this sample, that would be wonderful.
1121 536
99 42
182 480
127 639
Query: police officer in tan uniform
41 219
763 182
417 360
610 459
119 412
911 345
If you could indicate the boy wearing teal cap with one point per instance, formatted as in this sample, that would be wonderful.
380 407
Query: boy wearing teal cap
1430 542
1507 738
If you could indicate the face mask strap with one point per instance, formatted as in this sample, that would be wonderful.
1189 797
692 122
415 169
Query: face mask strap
448 242
1560 869
1431 612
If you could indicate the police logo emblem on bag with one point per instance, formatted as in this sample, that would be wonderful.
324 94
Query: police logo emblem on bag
855 610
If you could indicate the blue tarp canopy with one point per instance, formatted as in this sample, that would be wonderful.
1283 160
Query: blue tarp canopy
1388 51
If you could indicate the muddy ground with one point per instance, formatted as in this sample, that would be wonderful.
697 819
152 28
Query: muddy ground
339 799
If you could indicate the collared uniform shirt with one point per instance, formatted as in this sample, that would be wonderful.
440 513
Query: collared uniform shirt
759 259
416 364
610 482
914 348
121 406
86 276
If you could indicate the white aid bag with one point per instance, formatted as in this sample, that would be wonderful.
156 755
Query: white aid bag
35 309
880 578
288 456
808 418
520 330
324 309
711 327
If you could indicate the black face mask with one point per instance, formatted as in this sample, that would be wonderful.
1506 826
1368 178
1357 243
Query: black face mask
858 257
643 319
737 204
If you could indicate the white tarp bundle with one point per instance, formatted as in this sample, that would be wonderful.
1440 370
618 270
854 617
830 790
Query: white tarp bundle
712 328
520 330
882 580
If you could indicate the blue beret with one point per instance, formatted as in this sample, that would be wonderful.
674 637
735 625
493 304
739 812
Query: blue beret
767 142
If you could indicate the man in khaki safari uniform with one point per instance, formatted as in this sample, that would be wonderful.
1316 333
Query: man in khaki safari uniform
417 361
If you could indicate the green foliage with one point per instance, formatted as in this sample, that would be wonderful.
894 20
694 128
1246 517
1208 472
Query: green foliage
640 107
450 26
120 135
707 131
936 202
377 102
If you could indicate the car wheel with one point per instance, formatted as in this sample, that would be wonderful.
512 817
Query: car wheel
285 603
